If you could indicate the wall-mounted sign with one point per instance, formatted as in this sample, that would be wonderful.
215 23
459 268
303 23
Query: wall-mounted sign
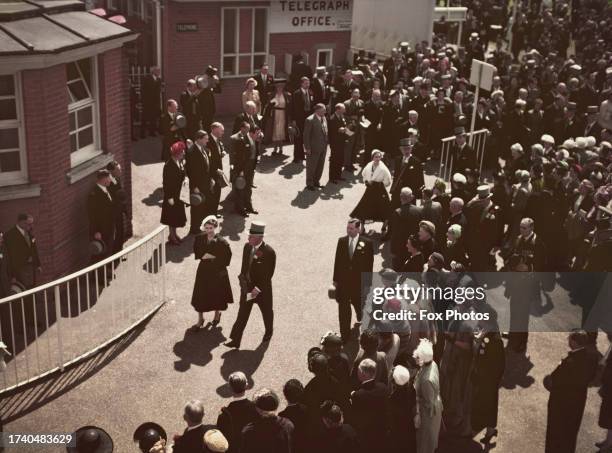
181 28
299 16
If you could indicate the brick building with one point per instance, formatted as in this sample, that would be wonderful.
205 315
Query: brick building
64 114
236 37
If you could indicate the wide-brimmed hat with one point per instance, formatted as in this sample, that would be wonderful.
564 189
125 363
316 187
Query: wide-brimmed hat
279 81
180 120
196 199
148 434
16 287
97 247
91 439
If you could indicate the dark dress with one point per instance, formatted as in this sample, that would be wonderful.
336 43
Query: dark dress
212 289
375 204
402 404
173 177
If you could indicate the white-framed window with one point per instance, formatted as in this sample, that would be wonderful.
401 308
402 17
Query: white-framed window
83 116
12 137
147 11
244 40
325 57
111 5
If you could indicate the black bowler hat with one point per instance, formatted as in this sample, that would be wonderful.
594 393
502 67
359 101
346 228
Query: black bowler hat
91 439
148 434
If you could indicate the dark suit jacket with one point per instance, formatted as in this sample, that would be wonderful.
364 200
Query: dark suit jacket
404 221
240 154
298 415
191 441
215 159
298 113
242 117
101 215
321 93
260 271
337 140
20 253
233 419
347 271
265 87
206 102
151 90
371 411
268 434
408 175
344 90
198 169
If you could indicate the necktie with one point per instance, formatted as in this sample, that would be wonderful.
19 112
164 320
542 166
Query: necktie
306 101
324 126
351 247
253 250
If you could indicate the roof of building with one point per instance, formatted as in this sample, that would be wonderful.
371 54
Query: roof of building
51 26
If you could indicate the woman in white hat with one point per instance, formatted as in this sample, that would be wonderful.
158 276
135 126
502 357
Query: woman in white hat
375 204
251 94
429 404
212 290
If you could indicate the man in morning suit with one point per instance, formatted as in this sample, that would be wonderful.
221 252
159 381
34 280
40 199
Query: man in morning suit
23 261
265 84
463 155
337 143
258 264
408 173
315 146
238 413
192 439
151 101
120 199
169 130
101 210
403 223
301 106
198 168
216 151
243 157
354 255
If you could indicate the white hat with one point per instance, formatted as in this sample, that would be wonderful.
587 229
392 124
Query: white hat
215 441
517 147
569 144
455 230
401 375
458 177
547 139
537 148
563 153
590 141
209 219
581 142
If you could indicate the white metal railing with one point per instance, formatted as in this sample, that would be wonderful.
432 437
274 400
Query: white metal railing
54 325
478 141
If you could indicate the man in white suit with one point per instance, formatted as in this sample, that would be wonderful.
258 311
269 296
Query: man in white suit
315 146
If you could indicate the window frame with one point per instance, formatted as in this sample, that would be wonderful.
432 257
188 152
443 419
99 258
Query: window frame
21 176
90 151
331 56
237 55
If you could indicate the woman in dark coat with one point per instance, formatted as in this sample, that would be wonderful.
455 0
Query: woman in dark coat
402 408
488 369
455 250
212 290
173 209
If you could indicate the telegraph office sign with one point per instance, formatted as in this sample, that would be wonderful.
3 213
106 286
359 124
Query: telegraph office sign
300 16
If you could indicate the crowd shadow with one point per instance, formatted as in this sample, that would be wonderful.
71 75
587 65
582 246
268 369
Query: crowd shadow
305 198
232 224
195 349
147 151
29 398
290 169
154 198
247 361
517 371
269 163
177 253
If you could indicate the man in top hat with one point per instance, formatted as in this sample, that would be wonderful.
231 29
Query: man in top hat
337 142
408 173
373 112
238 413
394 114
403 223
170 132
101 213
592 127
151 101
209 85
299 71
192 439
302 106
265 84
463 155
198 168
345 86
354 257
20 244
316 138
485 230
269 432
258 264
120 199
243 158
320 88
572 126
190 106
216 151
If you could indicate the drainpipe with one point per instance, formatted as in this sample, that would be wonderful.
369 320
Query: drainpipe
158 34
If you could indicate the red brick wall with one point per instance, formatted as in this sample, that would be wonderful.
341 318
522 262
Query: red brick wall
188 54
61 225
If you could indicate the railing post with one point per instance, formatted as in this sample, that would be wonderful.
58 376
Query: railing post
58 315
163 263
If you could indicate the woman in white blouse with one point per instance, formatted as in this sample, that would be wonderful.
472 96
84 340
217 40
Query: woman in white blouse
375 204
251 94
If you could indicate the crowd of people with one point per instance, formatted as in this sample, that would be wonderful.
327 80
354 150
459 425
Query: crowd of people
548 208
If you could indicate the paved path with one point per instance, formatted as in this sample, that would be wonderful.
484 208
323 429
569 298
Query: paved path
153 372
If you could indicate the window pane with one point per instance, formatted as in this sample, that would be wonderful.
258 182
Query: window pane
85 137
84 117
258 60
261 30
73 143
78 90
229 31
71 71
10 162
245 30
72 118
245 65
7 85
8 110
85 66
229 66
9 138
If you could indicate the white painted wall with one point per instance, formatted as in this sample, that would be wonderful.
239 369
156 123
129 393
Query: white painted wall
378 25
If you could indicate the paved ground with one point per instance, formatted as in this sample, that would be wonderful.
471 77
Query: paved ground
150 374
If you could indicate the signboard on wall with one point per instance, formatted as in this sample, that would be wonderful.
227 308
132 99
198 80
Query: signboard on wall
300 16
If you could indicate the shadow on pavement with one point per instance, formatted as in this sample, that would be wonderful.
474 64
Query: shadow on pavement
305 198
30 398
147 151
196 347
269 164
154 198
241 360
177 253
289 170
232 224
518 367
455 445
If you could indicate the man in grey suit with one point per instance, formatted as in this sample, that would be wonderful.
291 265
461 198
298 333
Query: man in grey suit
315 146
